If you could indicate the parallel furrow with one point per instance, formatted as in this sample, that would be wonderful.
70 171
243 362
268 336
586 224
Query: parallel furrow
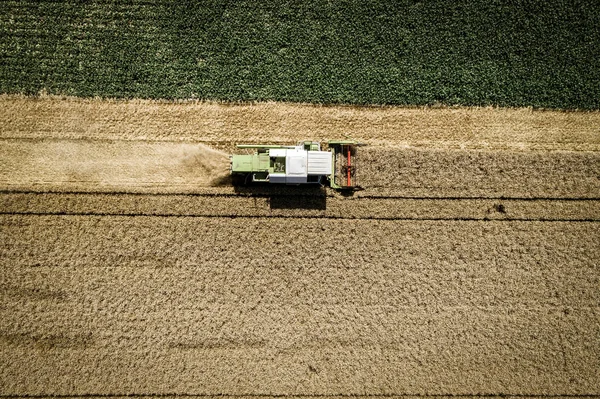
288 206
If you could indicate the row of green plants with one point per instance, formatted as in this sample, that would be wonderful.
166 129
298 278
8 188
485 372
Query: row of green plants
465 52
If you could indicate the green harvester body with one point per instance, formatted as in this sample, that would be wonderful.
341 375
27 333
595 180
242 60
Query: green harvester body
304 163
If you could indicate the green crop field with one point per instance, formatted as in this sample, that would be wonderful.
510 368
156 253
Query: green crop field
528 53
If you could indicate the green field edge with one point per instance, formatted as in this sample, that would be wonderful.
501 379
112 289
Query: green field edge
195 101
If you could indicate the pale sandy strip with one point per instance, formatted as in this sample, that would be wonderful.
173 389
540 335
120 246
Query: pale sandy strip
444 128
109 165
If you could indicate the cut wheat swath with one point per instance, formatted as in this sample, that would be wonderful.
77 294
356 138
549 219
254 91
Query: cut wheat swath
110 165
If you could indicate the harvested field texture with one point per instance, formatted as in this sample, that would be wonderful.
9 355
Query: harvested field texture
469 265
163 305
111 165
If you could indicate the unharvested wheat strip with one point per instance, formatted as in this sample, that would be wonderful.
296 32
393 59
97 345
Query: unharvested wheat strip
116 326
473 173
443 128
476 209
129 204
283 372
505 288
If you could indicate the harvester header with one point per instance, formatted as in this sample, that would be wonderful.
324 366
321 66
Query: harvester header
305 163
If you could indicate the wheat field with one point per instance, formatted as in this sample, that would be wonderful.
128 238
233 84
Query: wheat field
129 265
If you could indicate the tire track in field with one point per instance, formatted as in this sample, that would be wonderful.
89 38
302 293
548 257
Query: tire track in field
294 206
333 396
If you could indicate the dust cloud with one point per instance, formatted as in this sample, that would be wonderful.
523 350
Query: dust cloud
212 164
91 165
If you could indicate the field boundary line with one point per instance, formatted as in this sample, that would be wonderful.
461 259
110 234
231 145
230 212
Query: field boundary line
292 194
174 215
346 395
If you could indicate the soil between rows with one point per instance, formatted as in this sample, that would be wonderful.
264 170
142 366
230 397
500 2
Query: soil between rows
307 205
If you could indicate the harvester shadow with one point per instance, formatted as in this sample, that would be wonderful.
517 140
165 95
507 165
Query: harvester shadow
287 197
222 181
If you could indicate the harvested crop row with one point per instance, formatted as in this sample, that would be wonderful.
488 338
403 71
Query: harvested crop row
89 300
108 166
307 205
158 167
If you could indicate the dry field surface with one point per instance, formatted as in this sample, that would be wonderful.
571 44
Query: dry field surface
469 265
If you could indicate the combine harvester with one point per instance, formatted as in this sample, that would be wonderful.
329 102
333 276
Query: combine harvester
304 163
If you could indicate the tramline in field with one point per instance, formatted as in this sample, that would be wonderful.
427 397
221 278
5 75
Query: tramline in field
305 163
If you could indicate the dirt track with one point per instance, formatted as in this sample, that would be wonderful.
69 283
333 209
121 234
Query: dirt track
469 265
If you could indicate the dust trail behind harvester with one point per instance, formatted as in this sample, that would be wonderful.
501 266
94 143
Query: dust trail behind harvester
129 166
206 162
